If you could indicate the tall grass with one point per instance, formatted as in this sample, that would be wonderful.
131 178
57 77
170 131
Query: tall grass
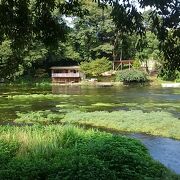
57 152
154 123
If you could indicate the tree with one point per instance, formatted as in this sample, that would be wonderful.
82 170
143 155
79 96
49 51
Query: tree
23 21
149 50
92 34
96 67
165 24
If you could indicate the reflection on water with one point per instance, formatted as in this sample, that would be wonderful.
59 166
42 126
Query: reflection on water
66 90
165 150
126 98
108 98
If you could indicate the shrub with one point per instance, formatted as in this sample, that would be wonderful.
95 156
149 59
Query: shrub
57 152
96 67
169 75
132 75
136 64
177 76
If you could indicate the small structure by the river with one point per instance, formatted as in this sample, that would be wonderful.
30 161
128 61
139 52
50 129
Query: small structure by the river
66 74
119 64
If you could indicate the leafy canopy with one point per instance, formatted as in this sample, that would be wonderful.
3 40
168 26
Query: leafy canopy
96 67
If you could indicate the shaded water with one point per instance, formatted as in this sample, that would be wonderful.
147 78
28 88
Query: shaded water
147 99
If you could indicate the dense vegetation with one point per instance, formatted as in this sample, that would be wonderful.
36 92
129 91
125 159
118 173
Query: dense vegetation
131 76
56 152
96 67
115 30
35 35
154 123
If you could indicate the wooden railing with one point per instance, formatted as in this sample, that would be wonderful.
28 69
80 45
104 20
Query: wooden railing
67 74
120 63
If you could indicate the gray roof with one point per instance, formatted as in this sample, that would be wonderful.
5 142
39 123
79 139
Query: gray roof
66 67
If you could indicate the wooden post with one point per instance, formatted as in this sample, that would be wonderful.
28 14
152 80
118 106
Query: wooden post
113 65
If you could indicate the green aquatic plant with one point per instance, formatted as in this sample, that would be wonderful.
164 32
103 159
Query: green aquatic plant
39 117
66 152
154 123
38 96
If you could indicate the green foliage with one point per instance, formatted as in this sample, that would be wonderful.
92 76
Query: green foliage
171 51
22 21
136 64
130 76
92 36
149 48
40 117
9 69
155 123
127 18
7 151
96 34
96 67
168 75
37 96
33 29
56 152
177 76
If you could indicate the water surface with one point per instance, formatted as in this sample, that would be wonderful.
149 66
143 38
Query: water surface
147 99
164 150
109 98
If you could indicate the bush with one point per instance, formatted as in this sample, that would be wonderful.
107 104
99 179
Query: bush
169 74
130 76
136 64
57 152
96 67
177 76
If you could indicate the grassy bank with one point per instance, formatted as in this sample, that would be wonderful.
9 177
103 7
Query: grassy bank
57 152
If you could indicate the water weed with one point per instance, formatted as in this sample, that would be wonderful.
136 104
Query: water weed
154 123
37 96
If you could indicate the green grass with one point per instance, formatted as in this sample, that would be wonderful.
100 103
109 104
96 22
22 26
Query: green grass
39 117
37 96
154 123
57 152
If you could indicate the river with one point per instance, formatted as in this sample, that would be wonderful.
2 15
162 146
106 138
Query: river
147 99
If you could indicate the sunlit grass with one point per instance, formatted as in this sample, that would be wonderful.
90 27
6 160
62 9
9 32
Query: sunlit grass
154 123
38 96
67 152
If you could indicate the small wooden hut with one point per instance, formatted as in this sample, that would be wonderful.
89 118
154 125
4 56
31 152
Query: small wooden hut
66 74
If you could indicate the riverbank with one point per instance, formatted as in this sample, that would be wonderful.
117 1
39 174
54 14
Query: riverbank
46 82
66 152
141 108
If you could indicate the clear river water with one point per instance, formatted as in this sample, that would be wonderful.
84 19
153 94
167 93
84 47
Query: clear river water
147 99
